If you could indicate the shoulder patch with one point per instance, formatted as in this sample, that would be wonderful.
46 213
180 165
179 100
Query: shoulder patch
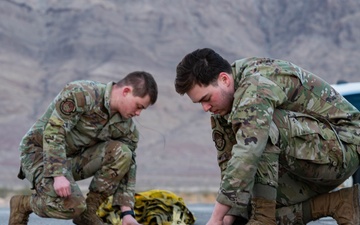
219 140
67 106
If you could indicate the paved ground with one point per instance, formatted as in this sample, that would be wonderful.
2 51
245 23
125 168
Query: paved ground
201 211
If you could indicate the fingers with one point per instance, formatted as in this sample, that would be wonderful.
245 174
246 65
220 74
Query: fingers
63 191
62 186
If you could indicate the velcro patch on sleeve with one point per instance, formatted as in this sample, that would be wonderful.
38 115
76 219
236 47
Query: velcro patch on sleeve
80 99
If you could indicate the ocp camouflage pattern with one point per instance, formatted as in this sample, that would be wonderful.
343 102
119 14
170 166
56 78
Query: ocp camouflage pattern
79 118
284 110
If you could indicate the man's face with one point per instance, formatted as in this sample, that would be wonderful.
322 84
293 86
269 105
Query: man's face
215 99
130 105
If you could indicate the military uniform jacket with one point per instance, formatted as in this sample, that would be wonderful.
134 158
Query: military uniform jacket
262 85
78 118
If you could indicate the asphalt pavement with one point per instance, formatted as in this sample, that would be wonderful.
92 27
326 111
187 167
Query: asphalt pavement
202 213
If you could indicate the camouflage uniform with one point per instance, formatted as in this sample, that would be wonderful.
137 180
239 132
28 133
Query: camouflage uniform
287 129
77 138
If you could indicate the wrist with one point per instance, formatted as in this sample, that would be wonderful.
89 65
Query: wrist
127 212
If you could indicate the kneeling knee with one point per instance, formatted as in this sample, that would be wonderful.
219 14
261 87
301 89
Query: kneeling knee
126 154
66 208
78 210
118 151
74 206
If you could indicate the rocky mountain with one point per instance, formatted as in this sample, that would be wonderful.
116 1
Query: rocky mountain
45 44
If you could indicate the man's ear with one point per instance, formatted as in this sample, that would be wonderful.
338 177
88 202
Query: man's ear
126 90
224 78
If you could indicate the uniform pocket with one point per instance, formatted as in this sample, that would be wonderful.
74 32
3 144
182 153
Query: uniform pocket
308 139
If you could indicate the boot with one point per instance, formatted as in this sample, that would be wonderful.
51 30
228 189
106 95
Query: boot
342 205
20 210
93 201
263 212
292 214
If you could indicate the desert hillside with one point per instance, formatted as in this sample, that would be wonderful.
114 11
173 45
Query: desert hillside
45 44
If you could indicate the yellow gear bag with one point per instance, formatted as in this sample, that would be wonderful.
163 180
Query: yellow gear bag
153 207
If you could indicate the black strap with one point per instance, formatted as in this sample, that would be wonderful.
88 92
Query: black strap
129 212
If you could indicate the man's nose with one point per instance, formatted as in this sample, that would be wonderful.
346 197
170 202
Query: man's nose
206 106
137 112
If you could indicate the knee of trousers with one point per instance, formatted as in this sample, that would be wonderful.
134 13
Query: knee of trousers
118 153
79 208
59 208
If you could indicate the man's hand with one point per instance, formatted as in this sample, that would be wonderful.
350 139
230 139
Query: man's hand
229 219
212 222
62 186
129 220
219 212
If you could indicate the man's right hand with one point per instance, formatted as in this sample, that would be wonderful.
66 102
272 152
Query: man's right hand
218 214
62 186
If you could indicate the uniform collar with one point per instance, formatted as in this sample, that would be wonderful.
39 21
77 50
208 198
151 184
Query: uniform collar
109 87
237 69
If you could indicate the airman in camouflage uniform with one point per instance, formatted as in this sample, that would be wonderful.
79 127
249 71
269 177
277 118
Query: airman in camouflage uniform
285 138
87 131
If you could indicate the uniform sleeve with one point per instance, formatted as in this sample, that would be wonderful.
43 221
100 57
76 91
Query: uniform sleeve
126 192
65 114
125 196
254 104
224 140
